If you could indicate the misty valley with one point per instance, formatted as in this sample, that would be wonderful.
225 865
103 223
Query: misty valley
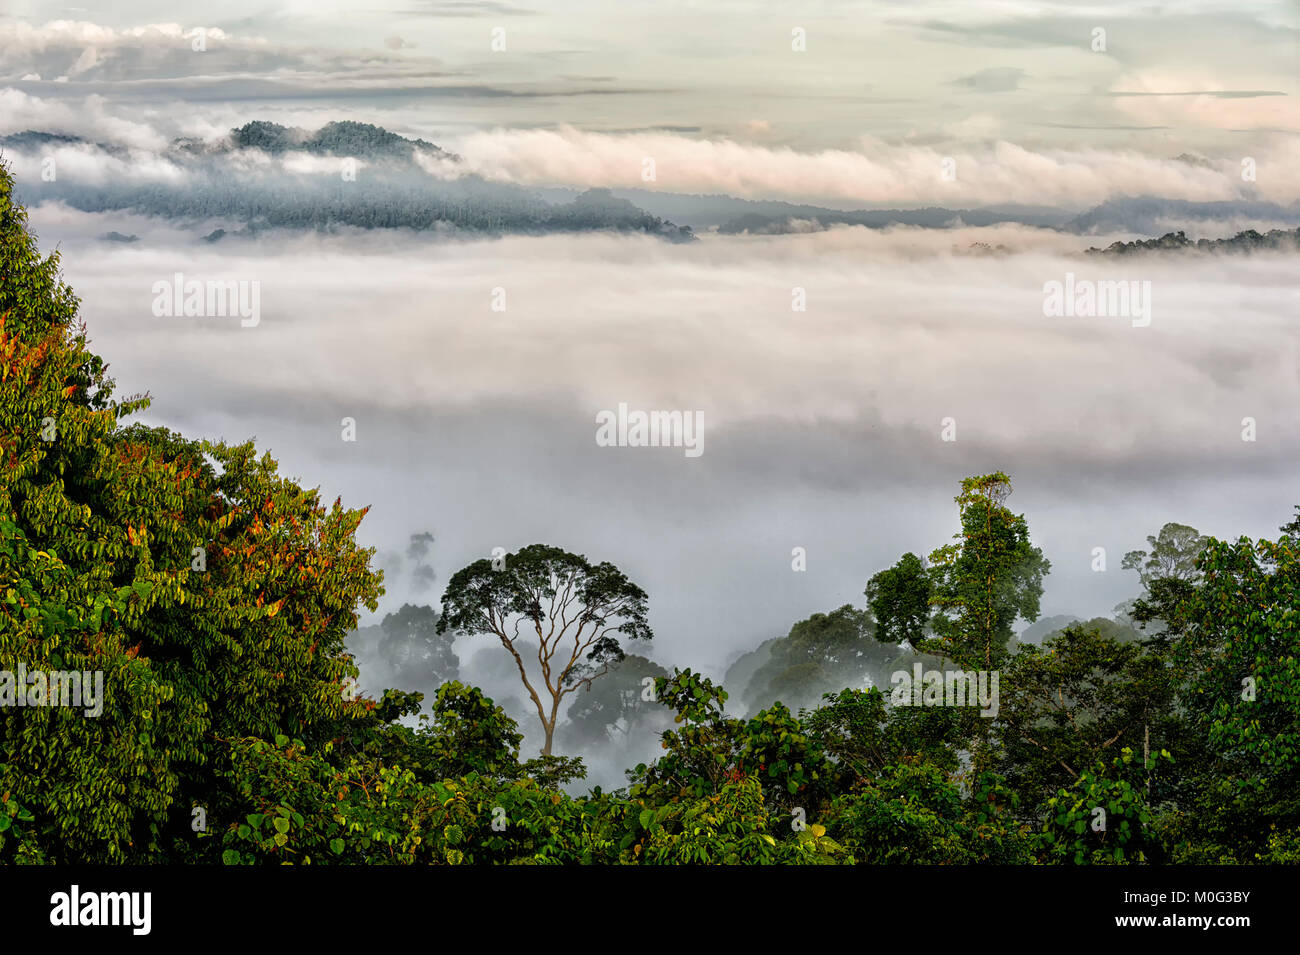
497 434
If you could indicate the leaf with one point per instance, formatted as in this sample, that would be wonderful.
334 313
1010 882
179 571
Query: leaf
281 824
336 846
230 857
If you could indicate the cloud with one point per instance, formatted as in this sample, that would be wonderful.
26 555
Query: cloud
1221 94
1187 100
874 173
159 54
88 117
466 8
88 166
995 79
822 426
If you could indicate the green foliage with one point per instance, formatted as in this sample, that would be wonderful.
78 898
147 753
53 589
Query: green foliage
1103 818
1234 636
900 599
862 737
101 531
712 751
787 760
728 827
580 613
700 756
1078 699
214 597
826 651
612 707
1241 627
915 814
408 644
988 580
471 735
18 839
1173 554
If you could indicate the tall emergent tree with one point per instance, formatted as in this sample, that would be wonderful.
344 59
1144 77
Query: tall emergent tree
983 583
1173 555
578 612
1168 574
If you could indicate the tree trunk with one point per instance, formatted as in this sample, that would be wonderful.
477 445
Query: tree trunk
1146 755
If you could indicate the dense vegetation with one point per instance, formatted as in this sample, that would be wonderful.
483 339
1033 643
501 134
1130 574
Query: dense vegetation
1251 240
215 596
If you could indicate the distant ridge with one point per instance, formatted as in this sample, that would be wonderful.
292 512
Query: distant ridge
362 140
1276 240
396 191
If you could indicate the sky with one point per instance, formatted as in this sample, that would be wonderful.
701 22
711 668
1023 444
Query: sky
873 98
823 426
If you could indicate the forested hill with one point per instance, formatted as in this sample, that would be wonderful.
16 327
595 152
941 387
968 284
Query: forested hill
1276 240
267 176
362 140
263 175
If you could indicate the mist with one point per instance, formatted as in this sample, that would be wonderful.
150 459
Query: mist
823 428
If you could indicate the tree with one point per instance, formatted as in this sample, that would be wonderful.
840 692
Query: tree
211 593
412 645
826 652
1167 573
863 736
915 814
409 645
1237 646
578 611
614 706
712 750
1172 555
1230 631
900 600
1080 698
422 576
988 580
1071 832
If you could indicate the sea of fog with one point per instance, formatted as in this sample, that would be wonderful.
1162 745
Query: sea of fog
823 428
